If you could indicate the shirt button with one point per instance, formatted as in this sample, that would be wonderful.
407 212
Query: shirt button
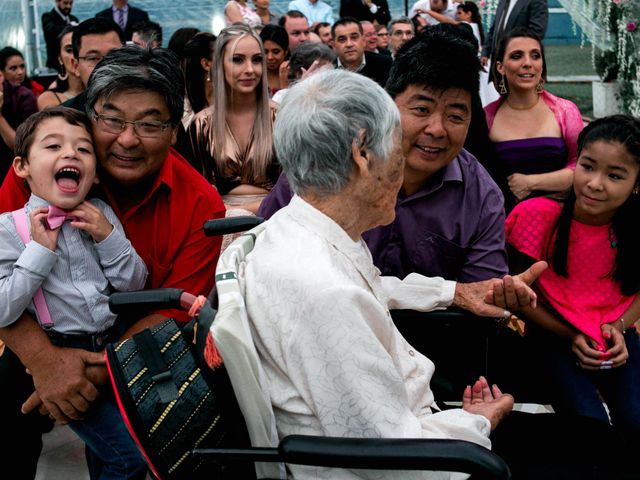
412 353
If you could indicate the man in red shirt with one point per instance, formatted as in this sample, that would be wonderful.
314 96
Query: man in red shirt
135 101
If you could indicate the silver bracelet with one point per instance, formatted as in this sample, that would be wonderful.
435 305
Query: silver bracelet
622 323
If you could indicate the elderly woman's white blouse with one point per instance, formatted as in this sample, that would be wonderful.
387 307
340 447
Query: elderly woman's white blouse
334 361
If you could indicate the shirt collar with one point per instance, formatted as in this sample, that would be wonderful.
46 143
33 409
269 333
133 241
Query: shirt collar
359 69
451 173
62 15
164 180
125 9
323 226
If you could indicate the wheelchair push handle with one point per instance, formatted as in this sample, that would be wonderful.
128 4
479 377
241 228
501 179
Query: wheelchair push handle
223 226
156 299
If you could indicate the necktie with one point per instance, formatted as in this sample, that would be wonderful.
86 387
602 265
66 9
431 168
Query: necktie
57 216
120 18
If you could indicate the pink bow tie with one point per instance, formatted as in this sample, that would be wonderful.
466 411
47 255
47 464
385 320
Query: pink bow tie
57 216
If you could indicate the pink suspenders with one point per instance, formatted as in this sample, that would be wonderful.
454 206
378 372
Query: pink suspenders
44 317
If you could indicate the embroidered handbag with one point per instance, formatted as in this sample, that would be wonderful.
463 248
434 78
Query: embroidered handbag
171 401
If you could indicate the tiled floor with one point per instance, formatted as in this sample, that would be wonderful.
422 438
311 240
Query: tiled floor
62 456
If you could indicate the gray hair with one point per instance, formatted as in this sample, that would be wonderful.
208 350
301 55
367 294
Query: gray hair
401 20
319 120
134 68
305 54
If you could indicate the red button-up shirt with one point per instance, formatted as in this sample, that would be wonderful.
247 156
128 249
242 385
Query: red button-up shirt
165 228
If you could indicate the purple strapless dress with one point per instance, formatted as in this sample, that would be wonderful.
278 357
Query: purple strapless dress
531 155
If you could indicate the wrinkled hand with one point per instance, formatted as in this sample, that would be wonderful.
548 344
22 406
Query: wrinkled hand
91 220
491 403
519 185
63 389
591 358
499 297
40 233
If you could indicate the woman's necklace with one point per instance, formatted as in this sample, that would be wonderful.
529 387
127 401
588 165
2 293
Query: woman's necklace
529 107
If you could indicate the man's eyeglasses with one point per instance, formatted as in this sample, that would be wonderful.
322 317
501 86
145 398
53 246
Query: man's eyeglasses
146 128
92 58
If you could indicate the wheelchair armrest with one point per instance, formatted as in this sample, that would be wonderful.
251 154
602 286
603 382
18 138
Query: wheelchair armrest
154 299
223 226
394 454
373 453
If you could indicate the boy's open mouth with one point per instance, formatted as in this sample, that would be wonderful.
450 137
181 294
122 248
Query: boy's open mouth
68 179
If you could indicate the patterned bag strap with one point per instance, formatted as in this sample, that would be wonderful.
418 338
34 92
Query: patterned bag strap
44 317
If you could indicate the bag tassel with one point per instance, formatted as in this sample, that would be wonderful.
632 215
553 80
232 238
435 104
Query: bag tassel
211 354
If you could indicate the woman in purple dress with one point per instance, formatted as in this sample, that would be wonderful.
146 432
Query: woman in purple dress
534 132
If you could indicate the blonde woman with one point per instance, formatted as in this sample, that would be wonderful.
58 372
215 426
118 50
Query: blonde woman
232 139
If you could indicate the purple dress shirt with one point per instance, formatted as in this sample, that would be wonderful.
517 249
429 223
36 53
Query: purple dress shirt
453 227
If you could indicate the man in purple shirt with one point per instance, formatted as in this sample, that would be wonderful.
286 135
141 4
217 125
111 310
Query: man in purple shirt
449 213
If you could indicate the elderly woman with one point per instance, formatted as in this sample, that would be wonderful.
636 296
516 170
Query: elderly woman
335 363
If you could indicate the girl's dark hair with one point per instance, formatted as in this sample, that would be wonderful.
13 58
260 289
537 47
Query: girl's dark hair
199 47
180 38
517 32
276 34
625 130
5 54
470 7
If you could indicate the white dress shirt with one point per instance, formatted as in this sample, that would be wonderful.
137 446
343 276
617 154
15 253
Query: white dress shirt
334 361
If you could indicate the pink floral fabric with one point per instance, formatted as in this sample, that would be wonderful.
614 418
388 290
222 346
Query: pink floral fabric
588 297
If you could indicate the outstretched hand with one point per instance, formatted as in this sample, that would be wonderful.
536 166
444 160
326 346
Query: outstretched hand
487 401
499 297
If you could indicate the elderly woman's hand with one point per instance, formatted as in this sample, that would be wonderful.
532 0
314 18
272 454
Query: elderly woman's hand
487 401
498 297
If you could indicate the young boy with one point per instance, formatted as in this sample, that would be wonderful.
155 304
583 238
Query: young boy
76 256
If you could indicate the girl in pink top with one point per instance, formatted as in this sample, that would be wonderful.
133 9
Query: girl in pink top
589 298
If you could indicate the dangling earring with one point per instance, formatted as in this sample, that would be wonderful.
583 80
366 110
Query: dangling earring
208 75
63 74
502 86
540 86
636 190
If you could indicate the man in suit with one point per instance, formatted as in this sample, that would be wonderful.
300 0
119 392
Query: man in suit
371 10
349 44
533 14
53 23
125 16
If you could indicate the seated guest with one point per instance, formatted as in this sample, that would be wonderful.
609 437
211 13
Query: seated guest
449 213
334 362
238 11
323 30
297 27
135 100
276 45
349 44
147 34
231 139
92 39
534 132
17 103
401 30
67 84
316 11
